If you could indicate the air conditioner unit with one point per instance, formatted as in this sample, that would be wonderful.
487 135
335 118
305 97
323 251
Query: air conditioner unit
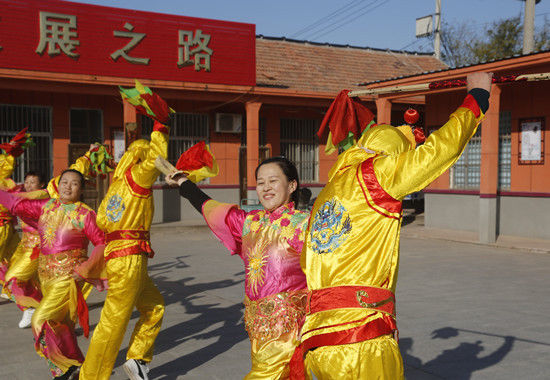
229 122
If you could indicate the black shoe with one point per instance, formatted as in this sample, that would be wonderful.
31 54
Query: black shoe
71 374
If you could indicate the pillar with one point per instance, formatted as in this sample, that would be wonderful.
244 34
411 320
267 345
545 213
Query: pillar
383 111
131 129
252 145
488 207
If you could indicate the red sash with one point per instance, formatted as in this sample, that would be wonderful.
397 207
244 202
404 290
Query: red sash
144 247
340 297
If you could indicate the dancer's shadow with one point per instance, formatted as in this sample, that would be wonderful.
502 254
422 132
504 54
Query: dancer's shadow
228 334
458 363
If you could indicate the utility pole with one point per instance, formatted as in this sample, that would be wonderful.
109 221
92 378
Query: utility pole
437 27
529 27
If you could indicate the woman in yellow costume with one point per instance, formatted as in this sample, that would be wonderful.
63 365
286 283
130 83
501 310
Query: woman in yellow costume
21 281
9 239
66 226
351 253
269 242
125 216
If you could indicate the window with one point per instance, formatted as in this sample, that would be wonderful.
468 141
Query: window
465 174
299 144
504 149
14 118
186 129
86 126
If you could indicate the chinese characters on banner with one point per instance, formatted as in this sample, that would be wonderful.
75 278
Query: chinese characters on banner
58 32
52 36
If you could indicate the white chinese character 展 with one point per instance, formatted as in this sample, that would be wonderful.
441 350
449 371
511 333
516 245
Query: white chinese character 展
57 32
196 46
136 39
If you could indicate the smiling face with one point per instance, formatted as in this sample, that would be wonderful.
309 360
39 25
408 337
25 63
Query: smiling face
32 183
272 186
70 187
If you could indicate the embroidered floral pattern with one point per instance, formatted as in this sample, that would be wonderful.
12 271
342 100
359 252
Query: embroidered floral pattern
256 263
272 316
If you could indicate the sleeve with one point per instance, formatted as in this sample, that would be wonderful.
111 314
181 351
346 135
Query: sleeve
411 171
92 231
193 194
7 163
27 209
226 222
82 164
145 172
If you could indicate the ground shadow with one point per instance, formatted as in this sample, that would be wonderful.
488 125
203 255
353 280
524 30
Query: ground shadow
229 328
458 363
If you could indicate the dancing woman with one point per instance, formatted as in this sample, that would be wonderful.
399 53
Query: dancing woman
66 226
269 242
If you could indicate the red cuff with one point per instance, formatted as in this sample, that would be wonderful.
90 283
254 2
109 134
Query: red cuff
470 103
160 128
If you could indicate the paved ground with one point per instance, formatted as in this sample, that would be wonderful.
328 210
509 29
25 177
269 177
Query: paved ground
465 312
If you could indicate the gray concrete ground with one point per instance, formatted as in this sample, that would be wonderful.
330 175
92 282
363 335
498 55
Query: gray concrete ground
466 311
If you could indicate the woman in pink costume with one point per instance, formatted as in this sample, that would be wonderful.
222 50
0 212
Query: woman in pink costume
65 226
269 242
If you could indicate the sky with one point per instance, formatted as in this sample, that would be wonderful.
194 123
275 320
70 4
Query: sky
383 24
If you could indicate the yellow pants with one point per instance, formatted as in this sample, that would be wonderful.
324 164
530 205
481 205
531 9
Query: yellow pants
372 359
22 277
129 286
9 239
53 325
270 359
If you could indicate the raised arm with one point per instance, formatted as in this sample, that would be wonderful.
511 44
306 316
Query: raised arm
413 170
29 210
83 164
145 173
7 163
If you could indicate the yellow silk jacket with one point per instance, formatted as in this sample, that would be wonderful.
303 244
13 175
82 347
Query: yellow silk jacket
353 235
7 163
128 205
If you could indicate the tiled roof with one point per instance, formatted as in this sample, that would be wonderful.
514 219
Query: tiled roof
312 67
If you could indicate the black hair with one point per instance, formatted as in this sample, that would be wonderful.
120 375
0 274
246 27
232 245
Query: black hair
289 170
82 179
36 174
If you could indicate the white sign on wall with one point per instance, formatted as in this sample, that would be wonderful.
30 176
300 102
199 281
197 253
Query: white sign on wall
424 26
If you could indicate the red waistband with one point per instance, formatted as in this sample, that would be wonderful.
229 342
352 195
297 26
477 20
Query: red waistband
373 329
342 297
126 235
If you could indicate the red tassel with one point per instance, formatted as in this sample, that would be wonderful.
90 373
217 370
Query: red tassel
419 135
82 310
35 253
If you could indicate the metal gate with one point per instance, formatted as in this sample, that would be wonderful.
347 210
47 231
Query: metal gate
13 118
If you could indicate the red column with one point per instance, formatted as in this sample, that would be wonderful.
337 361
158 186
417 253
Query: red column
489 169
252 142
383 111
130 123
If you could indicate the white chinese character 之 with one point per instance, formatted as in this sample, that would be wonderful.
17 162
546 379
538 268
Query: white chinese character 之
58 33
135 39
194 49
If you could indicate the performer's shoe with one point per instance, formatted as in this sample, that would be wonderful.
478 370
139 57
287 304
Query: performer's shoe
4 295
26 319
136 369
71 374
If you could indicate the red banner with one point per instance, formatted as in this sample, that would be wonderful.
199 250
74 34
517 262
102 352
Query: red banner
65 37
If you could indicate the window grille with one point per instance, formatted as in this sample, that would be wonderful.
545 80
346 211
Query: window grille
465 174
504 149
38 158
86 126
299 144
